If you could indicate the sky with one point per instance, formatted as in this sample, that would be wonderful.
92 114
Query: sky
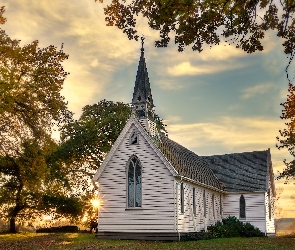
219 101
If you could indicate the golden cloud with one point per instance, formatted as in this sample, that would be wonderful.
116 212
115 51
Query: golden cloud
185 68
255 90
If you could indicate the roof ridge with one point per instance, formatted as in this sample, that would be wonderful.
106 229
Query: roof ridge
238 153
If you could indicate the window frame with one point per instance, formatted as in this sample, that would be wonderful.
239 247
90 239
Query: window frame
194 201
181 198
136 135
213 205
242 203
220 204
135 163
204 204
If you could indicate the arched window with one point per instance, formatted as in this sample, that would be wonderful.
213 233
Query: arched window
134 183
242 207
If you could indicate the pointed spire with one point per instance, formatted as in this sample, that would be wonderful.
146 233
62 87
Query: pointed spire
142 96
142 42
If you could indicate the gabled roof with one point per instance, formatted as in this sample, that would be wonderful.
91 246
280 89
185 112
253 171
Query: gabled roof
179 160
241 172
187 163
132 122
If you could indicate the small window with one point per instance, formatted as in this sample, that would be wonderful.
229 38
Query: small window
213 206
220 205
204 204
134 138
194 201
182 198
134 183
242 207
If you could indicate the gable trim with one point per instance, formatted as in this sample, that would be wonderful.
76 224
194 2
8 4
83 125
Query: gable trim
130 122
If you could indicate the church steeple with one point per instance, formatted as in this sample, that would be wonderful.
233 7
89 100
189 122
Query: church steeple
142 100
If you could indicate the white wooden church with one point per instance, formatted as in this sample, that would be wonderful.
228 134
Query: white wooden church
153 188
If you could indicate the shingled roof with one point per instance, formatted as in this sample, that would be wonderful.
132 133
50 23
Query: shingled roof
187 163
241 172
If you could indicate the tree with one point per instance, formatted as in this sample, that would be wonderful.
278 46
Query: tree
196 22
90 138
287 135
31 79
278 208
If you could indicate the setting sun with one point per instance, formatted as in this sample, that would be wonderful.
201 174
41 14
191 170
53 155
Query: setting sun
96 203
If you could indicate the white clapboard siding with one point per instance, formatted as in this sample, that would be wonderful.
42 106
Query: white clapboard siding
157 212
269 205
190 222
255 208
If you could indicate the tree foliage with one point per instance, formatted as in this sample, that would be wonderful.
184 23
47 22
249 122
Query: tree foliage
90 138
31 79
199 22
287 136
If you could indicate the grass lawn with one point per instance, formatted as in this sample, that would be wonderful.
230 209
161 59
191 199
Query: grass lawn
88 241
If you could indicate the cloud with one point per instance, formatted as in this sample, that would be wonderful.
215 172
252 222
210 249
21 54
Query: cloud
227 134
222 52
172 119
185 68
256 90
93 56
219 58
170 84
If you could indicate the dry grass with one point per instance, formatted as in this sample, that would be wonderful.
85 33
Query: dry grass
33 241
286 233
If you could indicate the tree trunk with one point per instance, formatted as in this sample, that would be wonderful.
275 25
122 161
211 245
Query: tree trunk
12 228
19 206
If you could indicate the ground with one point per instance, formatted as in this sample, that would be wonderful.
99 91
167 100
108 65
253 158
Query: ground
33 241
